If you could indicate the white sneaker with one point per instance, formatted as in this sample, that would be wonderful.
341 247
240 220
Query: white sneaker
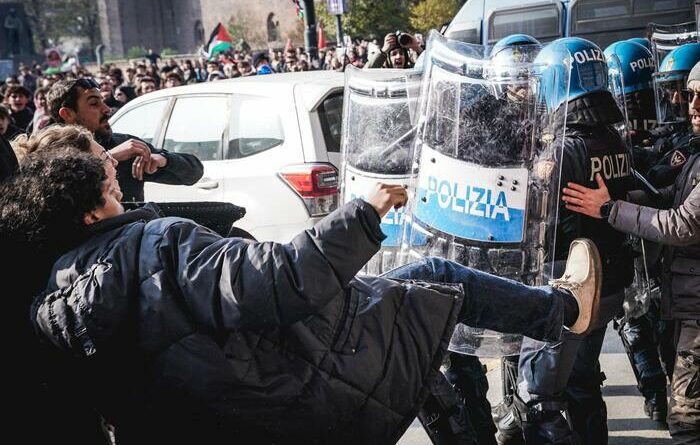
583 278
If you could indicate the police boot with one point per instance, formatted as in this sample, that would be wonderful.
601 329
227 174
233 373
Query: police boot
543 422
504 415
656 407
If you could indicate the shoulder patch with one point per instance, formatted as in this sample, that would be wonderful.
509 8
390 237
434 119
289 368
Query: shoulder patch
677 158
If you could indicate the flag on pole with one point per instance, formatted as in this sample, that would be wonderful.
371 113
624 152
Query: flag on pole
219 41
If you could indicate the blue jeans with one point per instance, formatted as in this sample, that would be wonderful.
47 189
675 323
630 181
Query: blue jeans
497 303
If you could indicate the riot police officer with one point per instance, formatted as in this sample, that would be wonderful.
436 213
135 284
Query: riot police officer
635 65
672 109
554 377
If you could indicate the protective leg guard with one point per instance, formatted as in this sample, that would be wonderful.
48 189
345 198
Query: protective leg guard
543 422
445 420
587 410
504 414
468 378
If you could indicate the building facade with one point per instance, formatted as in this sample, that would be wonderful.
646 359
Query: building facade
184 25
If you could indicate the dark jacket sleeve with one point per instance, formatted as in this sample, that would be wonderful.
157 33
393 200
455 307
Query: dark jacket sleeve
675 227
8 161
182 168
232 284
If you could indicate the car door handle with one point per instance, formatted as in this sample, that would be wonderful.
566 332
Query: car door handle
207 184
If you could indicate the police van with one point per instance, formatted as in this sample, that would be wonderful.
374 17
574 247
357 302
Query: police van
601 21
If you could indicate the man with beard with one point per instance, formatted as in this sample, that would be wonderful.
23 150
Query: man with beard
79 102
676 226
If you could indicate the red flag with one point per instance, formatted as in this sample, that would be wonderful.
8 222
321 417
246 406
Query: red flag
321 37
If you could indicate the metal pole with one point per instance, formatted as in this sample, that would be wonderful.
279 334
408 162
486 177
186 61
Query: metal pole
339 30
310 35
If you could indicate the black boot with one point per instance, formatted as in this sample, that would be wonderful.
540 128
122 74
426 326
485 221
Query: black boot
656 407
504 415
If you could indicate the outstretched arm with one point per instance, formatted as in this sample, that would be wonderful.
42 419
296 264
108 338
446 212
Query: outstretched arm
676 227
232 284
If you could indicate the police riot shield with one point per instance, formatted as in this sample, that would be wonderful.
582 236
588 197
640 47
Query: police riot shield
666 38
637 294
488 145
377 144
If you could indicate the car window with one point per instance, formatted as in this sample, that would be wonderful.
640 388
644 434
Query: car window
196 126
255 126
330 112
542 22
141 121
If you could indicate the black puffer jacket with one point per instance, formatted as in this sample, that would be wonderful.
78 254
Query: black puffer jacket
592 145
182 336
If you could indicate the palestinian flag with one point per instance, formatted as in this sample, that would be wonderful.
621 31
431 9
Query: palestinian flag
219 41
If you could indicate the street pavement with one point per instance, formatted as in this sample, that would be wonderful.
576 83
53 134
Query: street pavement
627 423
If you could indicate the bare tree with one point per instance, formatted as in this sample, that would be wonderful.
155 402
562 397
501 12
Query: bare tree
53 19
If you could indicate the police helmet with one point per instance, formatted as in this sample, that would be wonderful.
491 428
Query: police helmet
681 59
670 83
514 40
642 41
510 56
589 71
636 65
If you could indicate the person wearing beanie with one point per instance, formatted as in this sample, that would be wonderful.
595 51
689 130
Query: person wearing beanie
677 227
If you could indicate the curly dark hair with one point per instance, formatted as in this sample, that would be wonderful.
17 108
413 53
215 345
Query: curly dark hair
45 204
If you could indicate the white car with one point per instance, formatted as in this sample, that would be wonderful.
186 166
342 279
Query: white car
269 143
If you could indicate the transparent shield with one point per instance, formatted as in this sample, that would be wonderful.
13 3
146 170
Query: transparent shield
489 137
637 294
666 38
671 97
377 144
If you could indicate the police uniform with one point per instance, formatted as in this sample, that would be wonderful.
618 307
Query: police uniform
566 375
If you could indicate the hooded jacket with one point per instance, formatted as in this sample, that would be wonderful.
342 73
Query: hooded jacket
181 336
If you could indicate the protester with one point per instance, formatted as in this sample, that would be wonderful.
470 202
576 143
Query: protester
395 52
79 102
173 79
124 94
41 114
7 127
227 396
146 85
17 98
678 227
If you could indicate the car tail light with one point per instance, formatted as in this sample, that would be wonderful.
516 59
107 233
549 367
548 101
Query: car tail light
316 185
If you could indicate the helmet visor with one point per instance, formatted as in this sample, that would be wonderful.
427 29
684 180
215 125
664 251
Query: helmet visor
671 97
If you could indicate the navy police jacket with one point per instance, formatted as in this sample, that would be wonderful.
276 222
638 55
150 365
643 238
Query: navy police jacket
592 145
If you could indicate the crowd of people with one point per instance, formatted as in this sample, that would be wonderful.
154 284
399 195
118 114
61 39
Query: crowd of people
23 107
158 329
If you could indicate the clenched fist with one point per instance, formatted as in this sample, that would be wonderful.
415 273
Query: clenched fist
387 196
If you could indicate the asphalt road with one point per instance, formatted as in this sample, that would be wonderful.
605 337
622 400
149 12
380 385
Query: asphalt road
627 424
